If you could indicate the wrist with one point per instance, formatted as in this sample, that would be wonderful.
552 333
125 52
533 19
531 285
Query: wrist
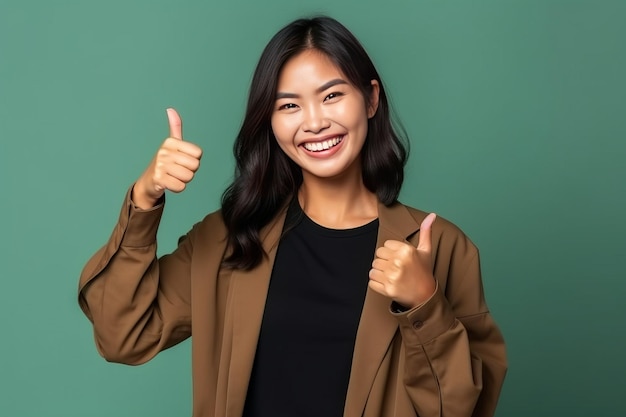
141 198
424 294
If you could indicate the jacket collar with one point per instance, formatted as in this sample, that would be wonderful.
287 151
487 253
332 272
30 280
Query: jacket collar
377 326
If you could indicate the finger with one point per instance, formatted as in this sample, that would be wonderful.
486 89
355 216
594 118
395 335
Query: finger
385 253
425 239
188 162
173 184
377 286
175 123
185 147
180 173
179 152
379 264
395 245
190 149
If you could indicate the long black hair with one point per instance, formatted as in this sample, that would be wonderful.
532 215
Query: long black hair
265 177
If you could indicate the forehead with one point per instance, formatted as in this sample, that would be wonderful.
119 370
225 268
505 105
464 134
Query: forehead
309 67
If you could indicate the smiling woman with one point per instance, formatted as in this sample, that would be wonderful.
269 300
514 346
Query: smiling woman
313 291
320 122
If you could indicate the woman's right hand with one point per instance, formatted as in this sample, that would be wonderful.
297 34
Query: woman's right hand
173 166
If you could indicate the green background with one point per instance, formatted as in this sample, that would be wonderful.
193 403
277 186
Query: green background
516 113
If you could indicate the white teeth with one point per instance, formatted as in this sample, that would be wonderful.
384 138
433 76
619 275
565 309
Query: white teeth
324 145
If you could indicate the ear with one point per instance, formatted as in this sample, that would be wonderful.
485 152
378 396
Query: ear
372 106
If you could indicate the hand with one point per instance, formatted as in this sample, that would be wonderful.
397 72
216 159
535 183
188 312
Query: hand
173 166
403 272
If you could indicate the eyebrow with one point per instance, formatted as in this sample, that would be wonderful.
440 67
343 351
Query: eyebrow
323 87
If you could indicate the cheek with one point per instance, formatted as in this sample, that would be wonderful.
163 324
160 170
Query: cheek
284 128
279 134
353 114
276 128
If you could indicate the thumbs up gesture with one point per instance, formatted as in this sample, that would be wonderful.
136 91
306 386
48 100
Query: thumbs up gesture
402 271
173 166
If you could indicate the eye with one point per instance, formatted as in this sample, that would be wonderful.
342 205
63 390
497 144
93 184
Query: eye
333 95
287 106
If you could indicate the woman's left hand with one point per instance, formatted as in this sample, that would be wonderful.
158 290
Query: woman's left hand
403 272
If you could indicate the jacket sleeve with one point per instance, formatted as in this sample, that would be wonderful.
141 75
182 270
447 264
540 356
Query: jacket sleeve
138 304
455 353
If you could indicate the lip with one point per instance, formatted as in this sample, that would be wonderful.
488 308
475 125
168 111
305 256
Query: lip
327 152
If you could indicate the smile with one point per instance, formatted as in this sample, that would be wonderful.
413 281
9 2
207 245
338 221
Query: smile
323 145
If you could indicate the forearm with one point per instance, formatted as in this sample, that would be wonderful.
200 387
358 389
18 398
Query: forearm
448 372
121 292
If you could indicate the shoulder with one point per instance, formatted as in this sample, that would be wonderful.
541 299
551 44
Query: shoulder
211 227
213 223
214 218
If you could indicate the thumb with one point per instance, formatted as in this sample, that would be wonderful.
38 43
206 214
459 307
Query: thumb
175 123
424 243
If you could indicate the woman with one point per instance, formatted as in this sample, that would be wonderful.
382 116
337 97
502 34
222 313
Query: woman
312 292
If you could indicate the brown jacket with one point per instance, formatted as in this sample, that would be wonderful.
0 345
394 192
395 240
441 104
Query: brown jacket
444 358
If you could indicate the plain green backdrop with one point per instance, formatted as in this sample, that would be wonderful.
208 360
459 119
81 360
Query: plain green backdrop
517 117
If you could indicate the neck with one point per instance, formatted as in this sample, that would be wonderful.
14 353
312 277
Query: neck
338 203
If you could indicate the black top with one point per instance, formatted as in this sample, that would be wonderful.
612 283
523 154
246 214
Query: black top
316 294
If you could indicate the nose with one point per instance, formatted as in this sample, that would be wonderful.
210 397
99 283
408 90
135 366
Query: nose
314 120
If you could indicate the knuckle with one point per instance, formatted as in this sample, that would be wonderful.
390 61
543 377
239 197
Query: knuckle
162 153
407 250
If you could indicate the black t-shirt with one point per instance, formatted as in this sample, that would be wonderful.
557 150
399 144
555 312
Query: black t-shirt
316 294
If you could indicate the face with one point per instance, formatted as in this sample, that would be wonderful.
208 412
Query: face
319 118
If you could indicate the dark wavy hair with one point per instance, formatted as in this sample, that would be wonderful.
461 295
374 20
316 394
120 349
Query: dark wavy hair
265 177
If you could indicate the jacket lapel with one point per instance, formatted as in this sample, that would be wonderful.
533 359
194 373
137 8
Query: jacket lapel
377 326
248 300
